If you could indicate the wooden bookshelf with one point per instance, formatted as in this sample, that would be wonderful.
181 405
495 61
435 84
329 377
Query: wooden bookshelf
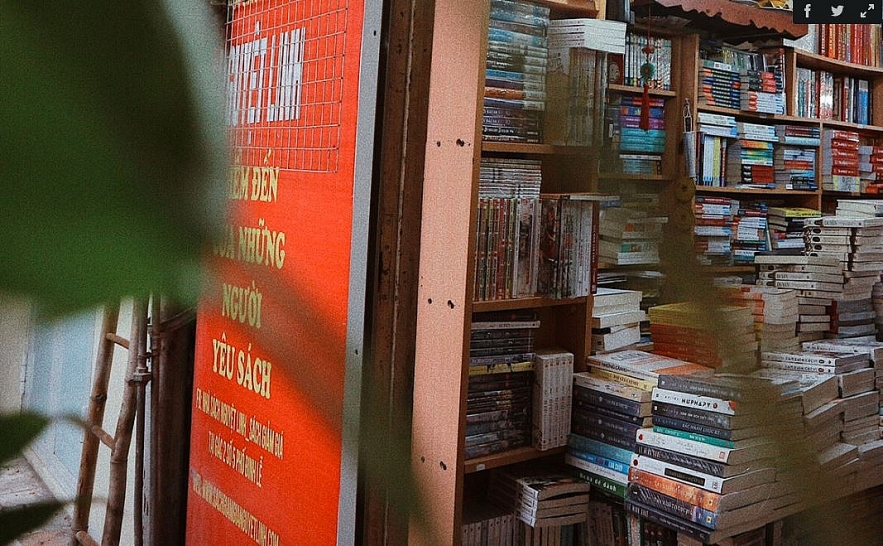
755 191
519 148
647 177
815 61
513 456
524 303
631 89
573 8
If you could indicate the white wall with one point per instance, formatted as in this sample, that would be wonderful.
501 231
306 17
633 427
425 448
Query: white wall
15 314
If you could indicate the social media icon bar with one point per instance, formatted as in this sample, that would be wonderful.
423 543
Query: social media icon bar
838 11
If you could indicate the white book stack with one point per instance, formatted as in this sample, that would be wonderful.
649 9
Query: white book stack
552 392
616 319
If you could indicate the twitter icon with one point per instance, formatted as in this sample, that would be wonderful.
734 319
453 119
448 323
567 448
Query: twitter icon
836 11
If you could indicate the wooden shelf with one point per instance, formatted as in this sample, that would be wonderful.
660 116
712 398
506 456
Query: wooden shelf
806 59
851 126
513 456
623 176
762 191
834 193
756 115
533 149
524 303
632 89
581 8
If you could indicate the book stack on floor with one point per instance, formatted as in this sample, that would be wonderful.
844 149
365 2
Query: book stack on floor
515 72
610 404
795 157
713 229
775 313
629 236
750 158
870 168
498 403
786 226
840 159
800 273
708 471
616 319
552 393
716 131
749 231
549 504
507 228
720 337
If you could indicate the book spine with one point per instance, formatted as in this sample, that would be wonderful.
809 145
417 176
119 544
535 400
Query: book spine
689 447
673 488
643 384
667 520
707 403
686 475
672 505
610 487
581 443
687 435
685 384
680 459
610 401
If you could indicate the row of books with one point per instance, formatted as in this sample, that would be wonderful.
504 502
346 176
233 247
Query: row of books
515 72
854 43
641 49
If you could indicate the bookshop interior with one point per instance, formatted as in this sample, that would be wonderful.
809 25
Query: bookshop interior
676 329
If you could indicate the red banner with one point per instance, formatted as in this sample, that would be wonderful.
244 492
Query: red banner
271 355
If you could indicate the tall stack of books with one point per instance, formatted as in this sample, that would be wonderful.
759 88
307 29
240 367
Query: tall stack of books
552 393
713 229
870 168
775 314
719 84
786 226
545 500
515 76
750 231
818 280
795 157
750 158
639 151
501 364
716 131
840 159
859 208
616 319
762 92
629 236
507 228
568 245
708 471
686 331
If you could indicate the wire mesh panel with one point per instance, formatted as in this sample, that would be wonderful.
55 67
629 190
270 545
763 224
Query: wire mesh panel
285 82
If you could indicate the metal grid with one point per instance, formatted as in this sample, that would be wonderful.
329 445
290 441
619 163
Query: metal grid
285 64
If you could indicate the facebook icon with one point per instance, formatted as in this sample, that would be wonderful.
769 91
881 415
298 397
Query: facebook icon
838 11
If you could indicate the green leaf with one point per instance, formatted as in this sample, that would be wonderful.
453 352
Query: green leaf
17 431
114 148
16 522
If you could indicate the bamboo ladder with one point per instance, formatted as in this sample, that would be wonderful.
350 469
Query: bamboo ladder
132 407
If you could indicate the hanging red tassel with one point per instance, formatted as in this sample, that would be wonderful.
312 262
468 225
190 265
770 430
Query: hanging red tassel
645 109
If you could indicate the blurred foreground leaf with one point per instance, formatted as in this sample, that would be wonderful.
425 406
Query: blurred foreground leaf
112 140
16 522
17 431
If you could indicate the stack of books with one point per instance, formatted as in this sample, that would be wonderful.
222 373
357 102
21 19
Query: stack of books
507 228
840 160
786 226
544 499
762 92
877 304
749 231
750 158
713 337
610 404
775 314
795 157
552 393
709 470
575 90
870 168
629 236
616 319
568 243
501 364
859 208
713 229
515 73
719 84
817 280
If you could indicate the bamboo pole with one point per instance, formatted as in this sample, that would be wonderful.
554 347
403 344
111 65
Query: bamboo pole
119 456
97 402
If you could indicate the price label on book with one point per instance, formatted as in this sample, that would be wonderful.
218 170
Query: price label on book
279 336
